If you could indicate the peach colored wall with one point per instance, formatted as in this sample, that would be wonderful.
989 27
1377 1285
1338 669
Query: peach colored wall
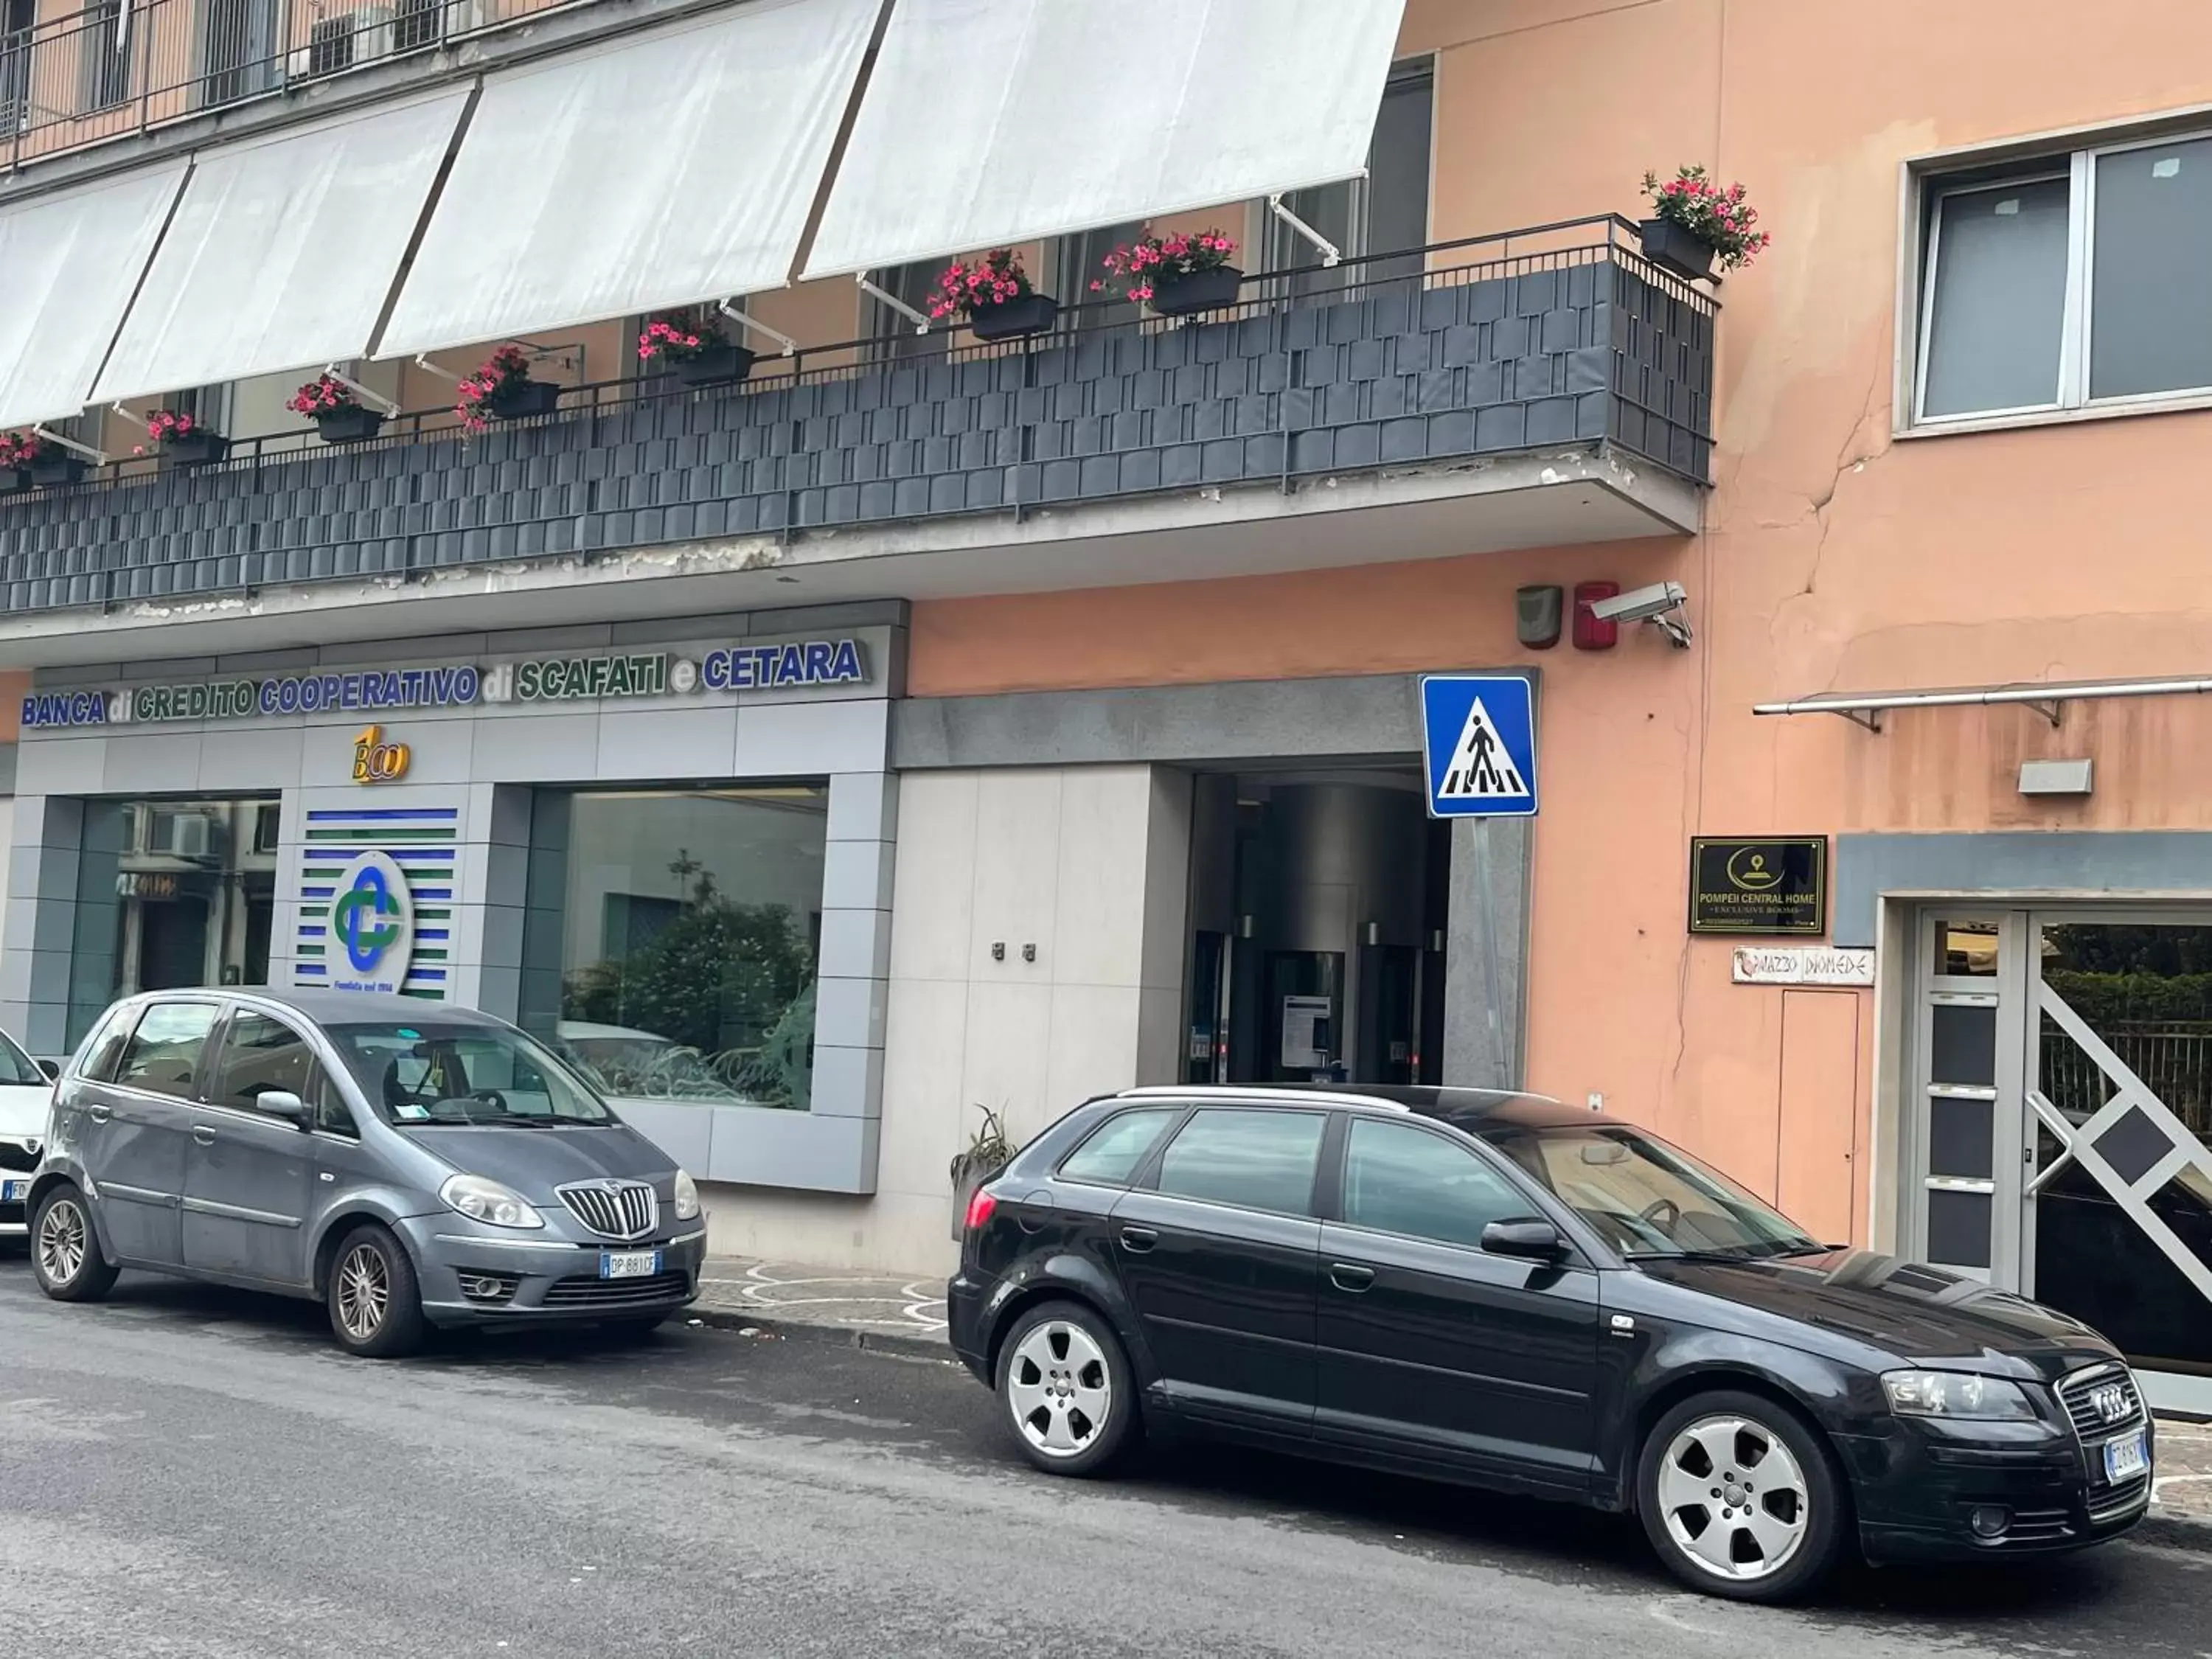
14 682
1834 556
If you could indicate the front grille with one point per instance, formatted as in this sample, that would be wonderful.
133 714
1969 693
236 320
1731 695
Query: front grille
2100 1400
2114 1501
19 1155
613 1209
589 1291
2038 1527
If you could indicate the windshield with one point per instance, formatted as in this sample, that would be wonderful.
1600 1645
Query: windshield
17 1069
432 1073
1646 1197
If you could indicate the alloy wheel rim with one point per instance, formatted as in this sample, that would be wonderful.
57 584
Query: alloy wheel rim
364 1292
61 1241
1060 1389
1734 1500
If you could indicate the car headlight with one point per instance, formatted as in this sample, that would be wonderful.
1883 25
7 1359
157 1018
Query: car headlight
489 1202
1955 1394
687 1197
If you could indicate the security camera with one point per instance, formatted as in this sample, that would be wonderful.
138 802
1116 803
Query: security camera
1656 604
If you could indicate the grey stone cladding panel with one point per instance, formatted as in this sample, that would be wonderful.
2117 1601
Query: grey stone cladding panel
1401 371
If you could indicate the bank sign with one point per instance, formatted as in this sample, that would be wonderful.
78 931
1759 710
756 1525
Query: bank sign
784 664
371 927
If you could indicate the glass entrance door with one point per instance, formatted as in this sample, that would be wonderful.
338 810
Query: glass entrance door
2061 1140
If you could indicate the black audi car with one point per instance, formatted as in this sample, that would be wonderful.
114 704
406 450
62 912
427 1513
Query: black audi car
1503 1291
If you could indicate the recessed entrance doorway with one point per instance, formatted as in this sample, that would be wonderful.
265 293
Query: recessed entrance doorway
1318 922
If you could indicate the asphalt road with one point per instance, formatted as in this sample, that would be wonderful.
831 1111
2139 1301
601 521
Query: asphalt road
186 1471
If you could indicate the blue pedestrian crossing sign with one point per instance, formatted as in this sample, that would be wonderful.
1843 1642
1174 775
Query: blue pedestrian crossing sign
1478 746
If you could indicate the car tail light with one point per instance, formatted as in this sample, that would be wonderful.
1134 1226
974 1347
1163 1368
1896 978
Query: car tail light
980 1208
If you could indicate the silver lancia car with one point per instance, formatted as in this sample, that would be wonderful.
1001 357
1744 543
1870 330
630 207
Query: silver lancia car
407 1163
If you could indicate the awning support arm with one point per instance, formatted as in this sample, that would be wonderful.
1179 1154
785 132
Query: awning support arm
137 420
921 323
96 457
1330 253
730 309
334 373
2048 699
422 360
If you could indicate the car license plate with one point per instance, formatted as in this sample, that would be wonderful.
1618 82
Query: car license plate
14 1192
629 1264
2125 1458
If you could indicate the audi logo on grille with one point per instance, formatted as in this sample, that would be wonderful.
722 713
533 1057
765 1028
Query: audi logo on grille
613 1209
2111 1402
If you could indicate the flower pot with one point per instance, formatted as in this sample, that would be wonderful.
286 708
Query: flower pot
1670 247
194 449
348 426
519 400
723 365
1031 313
14 480
1200 290
54 470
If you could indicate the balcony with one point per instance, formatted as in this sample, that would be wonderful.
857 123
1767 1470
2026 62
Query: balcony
1540 388
119 68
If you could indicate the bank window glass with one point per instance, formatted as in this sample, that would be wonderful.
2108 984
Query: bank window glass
1401 1180
163 1055
671 939
1255 1160
2074 281
1115 1150
171 893
261 1055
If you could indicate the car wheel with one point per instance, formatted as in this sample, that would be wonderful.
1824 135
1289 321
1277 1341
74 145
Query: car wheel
1740 1497
1068 1389
65 1256
375 1302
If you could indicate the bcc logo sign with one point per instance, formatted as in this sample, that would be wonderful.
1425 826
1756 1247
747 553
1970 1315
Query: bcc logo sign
376 761
371 927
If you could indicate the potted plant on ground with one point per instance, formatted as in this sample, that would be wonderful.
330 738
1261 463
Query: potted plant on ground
501 390
1695 222
698 352
183 440
1176 274
994 297
337 410
983 1157
37 462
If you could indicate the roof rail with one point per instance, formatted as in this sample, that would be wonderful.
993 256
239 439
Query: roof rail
1261 1092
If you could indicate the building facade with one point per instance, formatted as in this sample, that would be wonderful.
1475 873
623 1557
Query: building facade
921 733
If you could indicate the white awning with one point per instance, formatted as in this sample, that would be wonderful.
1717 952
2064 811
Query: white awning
992 122
678 168
68 264
282 253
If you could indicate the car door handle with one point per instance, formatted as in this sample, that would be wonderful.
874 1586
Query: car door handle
1138 1240
1347 1277
97 1113
202 1134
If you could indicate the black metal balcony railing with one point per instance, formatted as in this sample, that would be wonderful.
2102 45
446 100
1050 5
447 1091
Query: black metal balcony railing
122 66
1558 337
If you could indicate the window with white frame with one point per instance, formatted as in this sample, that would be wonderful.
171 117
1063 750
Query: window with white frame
2078 282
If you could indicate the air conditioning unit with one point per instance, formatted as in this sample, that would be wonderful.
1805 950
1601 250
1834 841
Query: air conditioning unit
189 835
344 40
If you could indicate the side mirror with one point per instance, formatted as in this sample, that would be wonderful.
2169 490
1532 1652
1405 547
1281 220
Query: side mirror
282 1102
1530 1239
52 1068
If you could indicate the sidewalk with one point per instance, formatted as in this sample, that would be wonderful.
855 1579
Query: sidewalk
786 1300
780 1298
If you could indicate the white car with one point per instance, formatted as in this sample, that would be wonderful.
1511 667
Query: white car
25 1092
